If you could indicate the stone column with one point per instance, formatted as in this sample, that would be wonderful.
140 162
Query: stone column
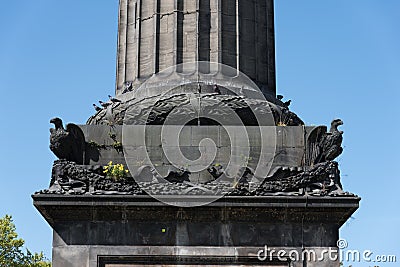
156 34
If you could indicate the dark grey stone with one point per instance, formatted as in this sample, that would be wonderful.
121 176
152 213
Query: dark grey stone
288 195
126 225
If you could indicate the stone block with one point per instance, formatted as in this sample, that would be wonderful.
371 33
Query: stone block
71 257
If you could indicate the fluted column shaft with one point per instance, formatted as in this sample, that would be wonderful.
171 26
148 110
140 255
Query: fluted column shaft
156 34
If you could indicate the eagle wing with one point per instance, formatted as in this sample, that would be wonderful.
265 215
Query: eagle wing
78 143
314 150
332 145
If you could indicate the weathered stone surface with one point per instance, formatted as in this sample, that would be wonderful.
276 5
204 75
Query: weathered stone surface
153 109
86 227
155 35
290 143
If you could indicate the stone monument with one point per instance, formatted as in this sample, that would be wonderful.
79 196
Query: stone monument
196 161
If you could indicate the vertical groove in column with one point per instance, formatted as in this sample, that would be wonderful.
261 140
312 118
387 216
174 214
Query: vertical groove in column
271 46
179 33
262 42
130 62
246 34
204 28
126 38
175 33
197 50
256 36
134 52
218 28
138 37
237 35
157 36
229 33
121 47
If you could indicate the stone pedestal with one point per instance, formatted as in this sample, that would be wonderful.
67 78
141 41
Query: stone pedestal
116 231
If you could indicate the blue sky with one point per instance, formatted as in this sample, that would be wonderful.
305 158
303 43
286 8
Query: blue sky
336 58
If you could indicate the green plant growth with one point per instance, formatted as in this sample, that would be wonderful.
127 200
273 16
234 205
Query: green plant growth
117 145
113 136
11 248
115 171
96 145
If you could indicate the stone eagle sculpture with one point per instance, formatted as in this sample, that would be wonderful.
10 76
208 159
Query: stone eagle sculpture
332 142
68 144
325 146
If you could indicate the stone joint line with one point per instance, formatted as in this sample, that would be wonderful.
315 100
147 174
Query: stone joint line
168 14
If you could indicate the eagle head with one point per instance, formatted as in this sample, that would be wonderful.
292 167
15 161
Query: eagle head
57 123
335 124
